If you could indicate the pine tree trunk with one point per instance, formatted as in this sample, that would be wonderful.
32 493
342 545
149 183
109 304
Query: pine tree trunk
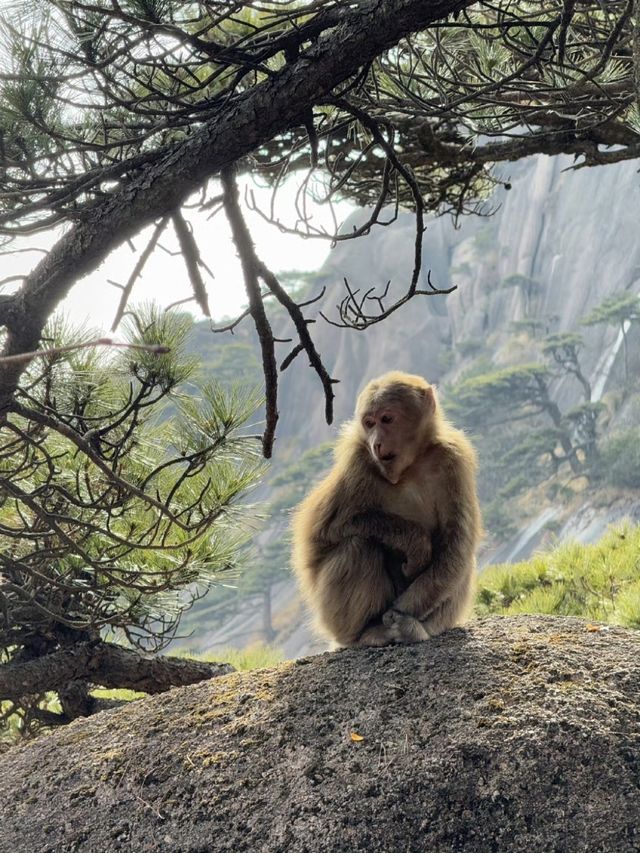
105 664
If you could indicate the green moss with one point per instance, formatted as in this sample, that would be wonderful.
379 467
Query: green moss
110 754
120 695
254 657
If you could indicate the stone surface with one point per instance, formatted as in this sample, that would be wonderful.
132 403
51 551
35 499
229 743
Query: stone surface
510 735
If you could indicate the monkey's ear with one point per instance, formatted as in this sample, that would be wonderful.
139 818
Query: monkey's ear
430 399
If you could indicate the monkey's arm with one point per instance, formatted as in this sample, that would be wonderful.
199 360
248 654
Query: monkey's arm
391 531
453 561
395 533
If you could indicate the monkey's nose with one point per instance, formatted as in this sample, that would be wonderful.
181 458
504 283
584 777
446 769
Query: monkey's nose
383 454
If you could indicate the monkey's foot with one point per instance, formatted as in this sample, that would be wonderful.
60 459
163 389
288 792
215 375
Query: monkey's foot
403 628
376 635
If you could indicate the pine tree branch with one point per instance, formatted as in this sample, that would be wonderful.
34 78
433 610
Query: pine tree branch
249 120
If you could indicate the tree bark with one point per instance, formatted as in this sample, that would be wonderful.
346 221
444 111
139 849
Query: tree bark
266 110
107 665
582 379
552 409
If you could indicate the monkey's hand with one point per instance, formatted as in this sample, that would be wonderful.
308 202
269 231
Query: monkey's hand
403 628
418 553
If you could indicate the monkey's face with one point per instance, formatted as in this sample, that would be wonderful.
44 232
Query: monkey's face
394 413
391 437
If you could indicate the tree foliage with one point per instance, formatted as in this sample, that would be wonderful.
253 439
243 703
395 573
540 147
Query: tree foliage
529 287
564 348
523 390
619 310
114 516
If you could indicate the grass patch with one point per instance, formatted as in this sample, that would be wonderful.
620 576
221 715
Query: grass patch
255 656
600 582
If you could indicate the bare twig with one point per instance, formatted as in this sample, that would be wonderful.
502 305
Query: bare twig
128 287
192 260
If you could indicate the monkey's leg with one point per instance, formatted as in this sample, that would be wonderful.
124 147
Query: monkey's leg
352 590
395 627
446 615
452 611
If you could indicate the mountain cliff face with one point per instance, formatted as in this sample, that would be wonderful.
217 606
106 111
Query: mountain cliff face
571 232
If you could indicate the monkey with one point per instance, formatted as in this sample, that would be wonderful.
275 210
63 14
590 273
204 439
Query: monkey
384 547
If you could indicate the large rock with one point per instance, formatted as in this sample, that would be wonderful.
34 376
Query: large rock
512 735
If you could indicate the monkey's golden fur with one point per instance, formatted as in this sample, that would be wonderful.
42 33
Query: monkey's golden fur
384 547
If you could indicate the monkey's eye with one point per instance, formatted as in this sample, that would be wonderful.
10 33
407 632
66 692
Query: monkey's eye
369 423
387 419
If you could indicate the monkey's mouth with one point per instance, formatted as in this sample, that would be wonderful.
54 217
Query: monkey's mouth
388 457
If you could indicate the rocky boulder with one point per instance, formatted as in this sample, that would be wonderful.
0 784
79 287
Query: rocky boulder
510 735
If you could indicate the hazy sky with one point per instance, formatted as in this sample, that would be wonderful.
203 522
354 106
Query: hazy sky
94 301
